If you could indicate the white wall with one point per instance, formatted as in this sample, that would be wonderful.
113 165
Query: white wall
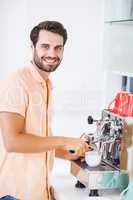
12 35
78 85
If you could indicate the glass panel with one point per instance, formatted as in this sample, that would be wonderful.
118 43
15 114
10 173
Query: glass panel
124 83
131 84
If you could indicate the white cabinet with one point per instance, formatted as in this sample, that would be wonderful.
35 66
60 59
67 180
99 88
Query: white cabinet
118 9
118 45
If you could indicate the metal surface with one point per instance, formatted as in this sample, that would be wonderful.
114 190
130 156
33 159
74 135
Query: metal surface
107 137
104 166
108 140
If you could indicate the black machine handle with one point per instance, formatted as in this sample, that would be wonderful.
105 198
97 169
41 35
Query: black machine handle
90 147
72 151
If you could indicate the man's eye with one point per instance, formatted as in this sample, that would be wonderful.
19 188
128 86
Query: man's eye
45 46
59 48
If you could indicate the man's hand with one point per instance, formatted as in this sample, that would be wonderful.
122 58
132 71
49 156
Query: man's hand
73 149
76 146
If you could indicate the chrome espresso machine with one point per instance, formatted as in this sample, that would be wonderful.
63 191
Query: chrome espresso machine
112 137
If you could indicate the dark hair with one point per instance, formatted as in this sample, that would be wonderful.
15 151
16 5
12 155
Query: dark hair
52 26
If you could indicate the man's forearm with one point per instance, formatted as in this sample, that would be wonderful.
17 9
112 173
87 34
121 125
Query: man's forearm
28 143
15 140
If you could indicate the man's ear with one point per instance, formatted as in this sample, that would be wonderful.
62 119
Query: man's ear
32 47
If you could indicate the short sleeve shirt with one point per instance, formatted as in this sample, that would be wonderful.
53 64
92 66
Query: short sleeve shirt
26 176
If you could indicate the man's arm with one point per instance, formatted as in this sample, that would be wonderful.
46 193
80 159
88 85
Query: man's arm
16 140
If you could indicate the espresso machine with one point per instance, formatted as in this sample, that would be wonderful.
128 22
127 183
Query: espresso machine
112 137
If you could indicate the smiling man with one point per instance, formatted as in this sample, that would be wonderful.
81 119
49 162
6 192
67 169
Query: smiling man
27 147
48 55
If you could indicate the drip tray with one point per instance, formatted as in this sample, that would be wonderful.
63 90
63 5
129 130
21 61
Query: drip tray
104 166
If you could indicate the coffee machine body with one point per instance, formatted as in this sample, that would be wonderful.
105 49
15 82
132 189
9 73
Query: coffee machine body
113 138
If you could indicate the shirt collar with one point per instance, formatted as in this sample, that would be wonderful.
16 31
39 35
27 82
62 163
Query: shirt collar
37 76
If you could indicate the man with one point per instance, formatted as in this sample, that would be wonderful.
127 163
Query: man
27 146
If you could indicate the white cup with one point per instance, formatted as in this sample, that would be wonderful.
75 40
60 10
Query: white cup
93 158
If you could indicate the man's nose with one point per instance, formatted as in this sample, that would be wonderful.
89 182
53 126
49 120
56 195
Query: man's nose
51 53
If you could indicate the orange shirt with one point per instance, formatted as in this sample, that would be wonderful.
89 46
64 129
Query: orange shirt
26 176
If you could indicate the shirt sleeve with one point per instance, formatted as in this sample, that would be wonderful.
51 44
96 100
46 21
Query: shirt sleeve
13 98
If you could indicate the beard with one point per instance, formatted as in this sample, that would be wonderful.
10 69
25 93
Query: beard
41 62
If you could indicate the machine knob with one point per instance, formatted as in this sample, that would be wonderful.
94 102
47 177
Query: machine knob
90 120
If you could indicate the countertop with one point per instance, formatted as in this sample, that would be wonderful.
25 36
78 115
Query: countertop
64 184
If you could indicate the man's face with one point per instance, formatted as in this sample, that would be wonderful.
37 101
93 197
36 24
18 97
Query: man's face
48 52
